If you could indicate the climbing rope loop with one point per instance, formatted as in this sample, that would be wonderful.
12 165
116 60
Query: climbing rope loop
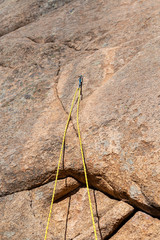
83 160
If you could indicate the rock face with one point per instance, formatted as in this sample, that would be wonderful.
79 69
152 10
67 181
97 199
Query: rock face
44 47
141 226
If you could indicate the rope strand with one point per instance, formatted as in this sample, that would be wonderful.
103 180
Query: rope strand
84 165
60 157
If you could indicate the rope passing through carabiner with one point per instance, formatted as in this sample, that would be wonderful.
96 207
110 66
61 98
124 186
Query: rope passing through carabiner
60 157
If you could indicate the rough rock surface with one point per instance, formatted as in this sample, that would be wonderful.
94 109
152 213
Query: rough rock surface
71 216
15 14
44 47
140 227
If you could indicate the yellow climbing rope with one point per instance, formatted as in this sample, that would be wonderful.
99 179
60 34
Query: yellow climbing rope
60 157
84 166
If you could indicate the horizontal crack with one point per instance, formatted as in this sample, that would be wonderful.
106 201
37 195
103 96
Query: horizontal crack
32 39
47 181
31 17
70 45
78 177
121 225
20 25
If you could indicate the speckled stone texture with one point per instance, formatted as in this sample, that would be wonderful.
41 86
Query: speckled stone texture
44 46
